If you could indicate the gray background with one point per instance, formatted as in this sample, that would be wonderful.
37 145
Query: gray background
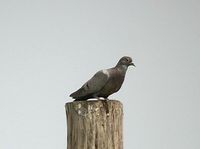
48 49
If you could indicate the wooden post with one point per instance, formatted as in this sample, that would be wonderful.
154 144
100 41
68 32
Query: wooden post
92 125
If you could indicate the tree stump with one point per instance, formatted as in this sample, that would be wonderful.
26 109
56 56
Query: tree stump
94 124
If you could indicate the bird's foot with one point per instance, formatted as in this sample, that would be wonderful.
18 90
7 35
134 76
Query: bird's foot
106 99
98 98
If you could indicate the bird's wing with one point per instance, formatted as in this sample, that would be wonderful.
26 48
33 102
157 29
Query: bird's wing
92 86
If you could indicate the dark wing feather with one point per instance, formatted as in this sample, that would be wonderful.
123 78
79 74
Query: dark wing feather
92 86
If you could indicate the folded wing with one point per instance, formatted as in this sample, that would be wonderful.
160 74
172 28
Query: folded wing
91 87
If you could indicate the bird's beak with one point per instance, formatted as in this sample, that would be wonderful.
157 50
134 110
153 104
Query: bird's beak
132 64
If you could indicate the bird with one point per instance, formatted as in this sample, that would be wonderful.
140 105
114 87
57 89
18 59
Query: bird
105 82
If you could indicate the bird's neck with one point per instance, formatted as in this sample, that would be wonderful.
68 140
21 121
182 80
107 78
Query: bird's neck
122 68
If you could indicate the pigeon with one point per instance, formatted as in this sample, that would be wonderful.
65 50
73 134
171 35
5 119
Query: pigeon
105 82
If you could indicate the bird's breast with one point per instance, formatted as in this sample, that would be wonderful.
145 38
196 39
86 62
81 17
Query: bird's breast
113 84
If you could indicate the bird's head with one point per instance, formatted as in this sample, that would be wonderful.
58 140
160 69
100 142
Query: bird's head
125 61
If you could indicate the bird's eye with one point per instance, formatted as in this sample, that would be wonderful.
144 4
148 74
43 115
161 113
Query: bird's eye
127 59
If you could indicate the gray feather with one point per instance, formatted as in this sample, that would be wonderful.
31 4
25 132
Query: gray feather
104 82
92 86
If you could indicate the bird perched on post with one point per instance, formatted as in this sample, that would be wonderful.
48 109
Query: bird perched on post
104 82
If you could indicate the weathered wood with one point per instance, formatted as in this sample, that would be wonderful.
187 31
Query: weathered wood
91 126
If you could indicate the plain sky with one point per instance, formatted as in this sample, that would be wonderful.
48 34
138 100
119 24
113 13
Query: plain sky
49 48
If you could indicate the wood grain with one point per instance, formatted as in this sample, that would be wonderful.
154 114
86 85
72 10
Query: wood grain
92 125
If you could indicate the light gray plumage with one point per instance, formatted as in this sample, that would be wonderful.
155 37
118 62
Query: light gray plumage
104 82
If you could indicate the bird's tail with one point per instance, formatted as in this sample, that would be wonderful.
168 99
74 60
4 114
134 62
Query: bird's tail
79 95
80 99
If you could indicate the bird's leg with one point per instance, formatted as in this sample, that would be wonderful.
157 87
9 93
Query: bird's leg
98 98
106 99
